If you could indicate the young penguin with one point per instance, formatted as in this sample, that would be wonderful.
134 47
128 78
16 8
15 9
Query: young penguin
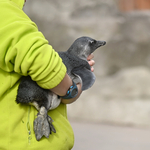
75 59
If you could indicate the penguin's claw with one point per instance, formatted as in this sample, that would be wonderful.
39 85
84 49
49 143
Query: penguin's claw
43 125
51 125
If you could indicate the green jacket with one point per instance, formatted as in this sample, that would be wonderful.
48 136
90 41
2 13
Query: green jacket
25 51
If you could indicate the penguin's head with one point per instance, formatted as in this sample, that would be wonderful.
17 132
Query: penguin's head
84 46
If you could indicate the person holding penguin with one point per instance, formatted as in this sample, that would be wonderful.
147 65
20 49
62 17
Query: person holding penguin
78 69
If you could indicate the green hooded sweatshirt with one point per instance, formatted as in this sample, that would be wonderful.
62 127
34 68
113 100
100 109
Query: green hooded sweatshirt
24 51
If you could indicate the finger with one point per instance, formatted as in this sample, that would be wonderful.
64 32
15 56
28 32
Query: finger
92 69
91 62
91 56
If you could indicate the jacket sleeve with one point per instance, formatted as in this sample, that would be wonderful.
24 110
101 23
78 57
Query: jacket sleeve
24 49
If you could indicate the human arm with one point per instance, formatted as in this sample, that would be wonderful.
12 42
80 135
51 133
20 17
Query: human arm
23 48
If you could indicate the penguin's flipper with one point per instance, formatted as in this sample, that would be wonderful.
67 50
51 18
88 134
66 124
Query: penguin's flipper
88 77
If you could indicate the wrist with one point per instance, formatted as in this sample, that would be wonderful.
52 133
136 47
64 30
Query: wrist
63 86
69 101
72 92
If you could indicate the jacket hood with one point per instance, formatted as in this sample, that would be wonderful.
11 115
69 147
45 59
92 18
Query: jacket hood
20 3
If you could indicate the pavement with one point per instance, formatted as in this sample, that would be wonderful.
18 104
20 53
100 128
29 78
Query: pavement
90 136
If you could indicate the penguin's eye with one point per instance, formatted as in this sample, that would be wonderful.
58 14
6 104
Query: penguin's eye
92 42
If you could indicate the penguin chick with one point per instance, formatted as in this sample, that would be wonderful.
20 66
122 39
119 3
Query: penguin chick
78 67
75 59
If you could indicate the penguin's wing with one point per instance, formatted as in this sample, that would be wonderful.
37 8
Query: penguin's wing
78 67
88 77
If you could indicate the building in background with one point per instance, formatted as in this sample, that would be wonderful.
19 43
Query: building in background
130 5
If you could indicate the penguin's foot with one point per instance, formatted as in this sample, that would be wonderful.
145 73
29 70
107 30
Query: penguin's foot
43 124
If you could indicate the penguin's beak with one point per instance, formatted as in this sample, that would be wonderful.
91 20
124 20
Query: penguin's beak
100 43
97 44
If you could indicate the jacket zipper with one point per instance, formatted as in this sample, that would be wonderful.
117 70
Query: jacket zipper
29 126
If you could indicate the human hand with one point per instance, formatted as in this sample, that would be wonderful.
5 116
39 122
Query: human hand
90 61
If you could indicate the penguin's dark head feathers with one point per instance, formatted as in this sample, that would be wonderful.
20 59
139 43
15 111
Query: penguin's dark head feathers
84 46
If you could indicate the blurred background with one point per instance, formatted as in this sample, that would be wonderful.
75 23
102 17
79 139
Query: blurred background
119 101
